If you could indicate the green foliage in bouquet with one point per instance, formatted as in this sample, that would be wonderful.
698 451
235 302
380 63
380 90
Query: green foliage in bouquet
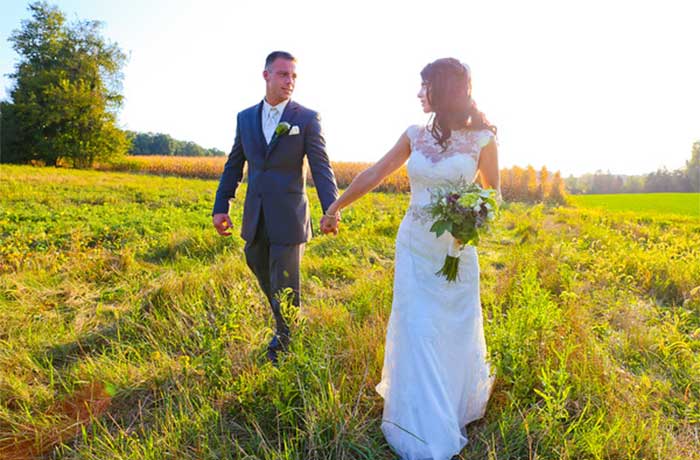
464 210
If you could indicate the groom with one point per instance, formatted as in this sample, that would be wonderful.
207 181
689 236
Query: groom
273 137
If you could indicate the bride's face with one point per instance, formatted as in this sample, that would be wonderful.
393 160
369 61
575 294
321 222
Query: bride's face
423 96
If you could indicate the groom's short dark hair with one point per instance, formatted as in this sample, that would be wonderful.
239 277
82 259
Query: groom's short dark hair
278 54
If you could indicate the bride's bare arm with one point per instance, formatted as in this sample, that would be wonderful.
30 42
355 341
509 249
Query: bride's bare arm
489 174
374 175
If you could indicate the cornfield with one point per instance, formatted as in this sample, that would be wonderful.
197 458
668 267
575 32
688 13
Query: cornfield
517 184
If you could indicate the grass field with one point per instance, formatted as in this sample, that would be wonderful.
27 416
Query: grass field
687 204
130 330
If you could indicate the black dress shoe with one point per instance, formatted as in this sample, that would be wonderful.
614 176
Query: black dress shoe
277 344
272 356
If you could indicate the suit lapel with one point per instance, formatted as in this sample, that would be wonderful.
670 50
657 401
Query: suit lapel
288 115
257 123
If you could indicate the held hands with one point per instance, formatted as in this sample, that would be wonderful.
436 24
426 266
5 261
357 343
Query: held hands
222 222
329 223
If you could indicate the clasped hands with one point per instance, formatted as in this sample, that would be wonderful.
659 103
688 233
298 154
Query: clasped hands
329 223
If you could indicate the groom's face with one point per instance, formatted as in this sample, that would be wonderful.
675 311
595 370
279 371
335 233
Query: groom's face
280 77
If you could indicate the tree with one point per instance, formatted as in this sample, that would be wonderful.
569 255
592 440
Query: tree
557 191
8 133
633 184
543 188
214 152
508 184
664 180
692 167
190 149
162 144
531 187
66 92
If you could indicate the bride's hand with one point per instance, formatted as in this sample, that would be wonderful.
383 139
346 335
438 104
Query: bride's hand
329 222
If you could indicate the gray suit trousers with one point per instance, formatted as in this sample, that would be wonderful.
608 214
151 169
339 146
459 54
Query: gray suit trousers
277 267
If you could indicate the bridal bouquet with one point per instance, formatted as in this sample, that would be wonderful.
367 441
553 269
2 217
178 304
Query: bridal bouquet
464 210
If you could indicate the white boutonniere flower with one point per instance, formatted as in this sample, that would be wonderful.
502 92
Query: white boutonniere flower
294 130
282 129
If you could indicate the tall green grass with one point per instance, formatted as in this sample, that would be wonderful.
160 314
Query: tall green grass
130 330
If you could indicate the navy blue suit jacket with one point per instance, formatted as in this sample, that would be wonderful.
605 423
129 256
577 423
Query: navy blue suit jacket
276 183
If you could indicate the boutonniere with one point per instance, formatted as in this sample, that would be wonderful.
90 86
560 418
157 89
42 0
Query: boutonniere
285 128
282 129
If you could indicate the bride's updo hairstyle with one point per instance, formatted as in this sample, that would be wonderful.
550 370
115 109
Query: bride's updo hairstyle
449 92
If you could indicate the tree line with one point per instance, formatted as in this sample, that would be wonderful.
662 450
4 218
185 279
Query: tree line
163 144
685 179
532 186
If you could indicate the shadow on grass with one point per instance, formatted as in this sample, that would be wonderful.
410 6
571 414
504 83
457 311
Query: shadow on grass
93 343
192 246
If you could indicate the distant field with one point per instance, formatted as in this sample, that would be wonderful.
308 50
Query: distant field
687 204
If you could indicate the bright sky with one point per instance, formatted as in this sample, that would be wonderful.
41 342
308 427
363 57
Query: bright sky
576 86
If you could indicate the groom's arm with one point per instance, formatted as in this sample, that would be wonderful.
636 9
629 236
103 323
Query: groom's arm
232 175
321 171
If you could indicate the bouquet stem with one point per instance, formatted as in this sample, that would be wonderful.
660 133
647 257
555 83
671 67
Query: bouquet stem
450 268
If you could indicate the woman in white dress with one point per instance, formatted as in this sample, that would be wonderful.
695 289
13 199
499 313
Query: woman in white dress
436 378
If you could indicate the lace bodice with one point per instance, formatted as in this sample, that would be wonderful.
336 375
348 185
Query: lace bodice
429 166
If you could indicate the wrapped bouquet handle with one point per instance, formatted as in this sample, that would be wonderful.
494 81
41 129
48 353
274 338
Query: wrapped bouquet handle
455 248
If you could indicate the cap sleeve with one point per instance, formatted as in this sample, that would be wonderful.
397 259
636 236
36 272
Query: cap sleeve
412 133
485 137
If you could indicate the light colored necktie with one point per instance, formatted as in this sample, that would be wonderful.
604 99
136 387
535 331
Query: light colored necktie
271 123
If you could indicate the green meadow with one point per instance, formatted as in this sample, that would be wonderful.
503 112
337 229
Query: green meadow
687 204
130 330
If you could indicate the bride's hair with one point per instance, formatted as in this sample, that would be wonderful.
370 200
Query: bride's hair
449 92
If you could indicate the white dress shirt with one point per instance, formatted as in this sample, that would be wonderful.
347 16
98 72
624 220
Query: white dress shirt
270 119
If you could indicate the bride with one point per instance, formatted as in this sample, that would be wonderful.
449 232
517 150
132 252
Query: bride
436 378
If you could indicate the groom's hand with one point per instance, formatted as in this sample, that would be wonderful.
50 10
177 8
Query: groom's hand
222 222
329 225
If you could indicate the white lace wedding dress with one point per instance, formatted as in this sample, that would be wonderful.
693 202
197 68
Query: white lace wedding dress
436 378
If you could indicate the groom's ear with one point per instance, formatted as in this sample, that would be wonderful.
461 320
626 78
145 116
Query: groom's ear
266 75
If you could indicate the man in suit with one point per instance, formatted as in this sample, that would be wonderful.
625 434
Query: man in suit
273 137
